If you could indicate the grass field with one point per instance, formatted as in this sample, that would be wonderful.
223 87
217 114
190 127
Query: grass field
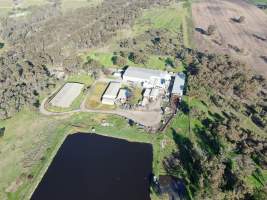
24 147
81 78
171 18
93 100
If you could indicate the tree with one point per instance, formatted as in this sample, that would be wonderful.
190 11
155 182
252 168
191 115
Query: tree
1 45
169 62
118 60
211 29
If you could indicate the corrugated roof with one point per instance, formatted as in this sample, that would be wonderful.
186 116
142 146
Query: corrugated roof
143 73
112 90
178 85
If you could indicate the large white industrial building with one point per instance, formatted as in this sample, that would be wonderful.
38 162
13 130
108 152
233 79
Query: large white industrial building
147 78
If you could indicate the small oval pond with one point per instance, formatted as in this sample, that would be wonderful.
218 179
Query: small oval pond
94 167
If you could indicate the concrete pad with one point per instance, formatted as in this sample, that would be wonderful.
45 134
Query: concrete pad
67 95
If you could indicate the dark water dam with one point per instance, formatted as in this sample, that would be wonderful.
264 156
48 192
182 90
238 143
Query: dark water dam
94 167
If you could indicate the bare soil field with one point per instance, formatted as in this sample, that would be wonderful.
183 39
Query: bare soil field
246 41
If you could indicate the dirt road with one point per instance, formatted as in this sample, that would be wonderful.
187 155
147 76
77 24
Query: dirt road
146 118
246 41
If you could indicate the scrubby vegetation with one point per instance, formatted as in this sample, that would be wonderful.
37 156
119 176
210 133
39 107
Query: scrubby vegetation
223 149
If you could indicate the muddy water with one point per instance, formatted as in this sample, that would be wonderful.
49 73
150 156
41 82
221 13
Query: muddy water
93 167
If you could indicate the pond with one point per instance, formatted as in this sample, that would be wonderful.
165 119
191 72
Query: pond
94 167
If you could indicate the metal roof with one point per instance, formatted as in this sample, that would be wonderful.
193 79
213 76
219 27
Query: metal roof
112 90
143 73
178 85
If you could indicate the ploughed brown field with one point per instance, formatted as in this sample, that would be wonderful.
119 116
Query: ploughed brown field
246 41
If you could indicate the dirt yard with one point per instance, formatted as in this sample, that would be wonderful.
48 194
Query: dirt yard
246 40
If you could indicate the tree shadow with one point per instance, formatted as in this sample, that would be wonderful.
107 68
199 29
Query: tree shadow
209 142
186 162
2 131
230 179
216 116
184 107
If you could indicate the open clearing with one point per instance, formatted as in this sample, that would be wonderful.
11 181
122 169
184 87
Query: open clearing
67 95
246 41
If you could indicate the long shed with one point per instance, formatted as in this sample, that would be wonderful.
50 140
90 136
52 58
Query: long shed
178 85
111 93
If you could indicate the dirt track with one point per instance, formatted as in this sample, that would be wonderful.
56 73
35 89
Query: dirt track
247 40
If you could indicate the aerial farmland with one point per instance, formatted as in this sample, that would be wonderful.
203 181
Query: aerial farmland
133 99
